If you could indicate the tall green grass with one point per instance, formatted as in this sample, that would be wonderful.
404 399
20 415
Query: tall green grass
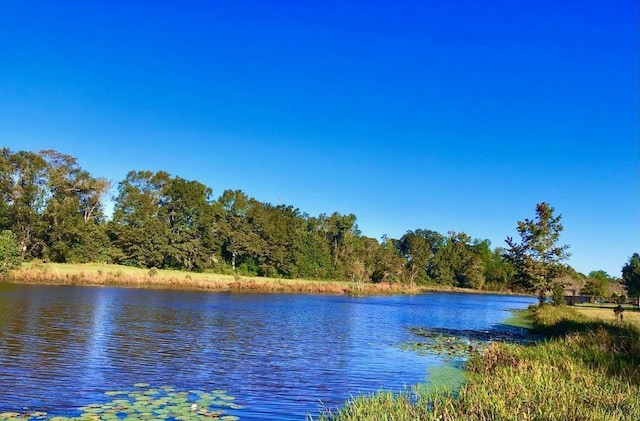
587 370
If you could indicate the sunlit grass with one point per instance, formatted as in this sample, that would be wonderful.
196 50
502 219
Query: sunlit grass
127 276
118 275
606 313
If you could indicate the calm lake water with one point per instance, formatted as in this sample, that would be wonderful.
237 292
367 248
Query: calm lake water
280 356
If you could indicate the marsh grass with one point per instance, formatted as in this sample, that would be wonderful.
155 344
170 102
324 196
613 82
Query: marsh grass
125 276
585 370
37 272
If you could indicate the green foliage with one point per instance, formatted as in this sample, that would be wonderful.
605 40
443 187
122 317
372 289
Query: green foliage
24 176
164 222
419 248
239 240
9 252
498 270
552 319
557 295
595 288
537 257
601 276
456 263
631 276
55 208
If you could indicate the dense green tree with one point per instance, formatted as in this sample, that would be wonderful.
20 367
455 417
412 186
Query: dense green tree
52 205
498 271
280 230
537 258
340 231
6 189
189 216
240 242
24 178
458 264
594 289
557 295
388 264
631 276
601 275
359 261
138 230
597 285
73 214
9 252
419 248
164 222
316 261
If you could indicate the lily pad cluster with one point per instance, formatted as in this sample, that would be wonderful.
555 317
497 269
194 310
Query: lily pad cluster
458 343
446 346
147 403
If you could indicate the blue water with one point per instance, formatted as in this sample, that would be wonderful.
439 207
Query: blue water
281 356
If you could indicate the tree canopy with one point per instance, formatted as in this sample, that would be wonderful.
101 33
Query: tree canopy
631 276
538 257
55 209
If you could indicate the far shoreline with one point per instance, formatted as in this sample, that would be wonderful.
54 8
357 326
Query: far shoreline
111 275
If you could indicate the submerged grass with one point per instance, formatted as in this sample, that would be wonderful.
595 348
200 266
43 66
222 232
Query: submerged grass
521 319
585 370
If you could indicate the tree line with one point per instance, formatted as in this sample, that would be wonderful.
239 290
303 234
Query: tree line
55 210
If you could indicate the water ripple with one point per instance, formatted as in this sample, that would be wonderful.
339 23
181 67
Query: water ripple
279 355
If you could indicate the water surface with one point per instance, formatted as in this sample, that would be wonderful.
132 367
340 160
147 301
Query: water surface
281 356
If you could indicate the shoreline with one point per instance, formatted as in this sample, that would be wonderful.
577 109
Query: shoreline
97 274
591 363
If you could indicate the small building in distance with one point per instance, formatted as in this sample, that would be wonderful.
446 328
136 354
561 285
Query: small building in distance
573 287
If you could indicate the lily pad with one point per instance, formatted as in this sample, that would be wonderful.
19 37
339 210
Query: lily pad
141 385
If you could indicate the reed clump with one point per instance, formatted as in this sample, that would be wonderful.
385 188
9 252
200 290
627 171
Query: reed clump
587 370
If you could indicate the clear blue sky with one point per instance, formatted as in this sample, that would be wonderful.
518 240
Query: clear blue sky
444 115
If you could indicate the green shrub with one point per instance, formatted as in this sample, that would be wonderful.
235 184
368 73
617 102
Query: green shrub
9 252
557 295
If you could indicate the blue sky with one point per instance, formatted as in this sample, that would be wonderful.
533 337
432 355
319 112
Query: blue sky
443 115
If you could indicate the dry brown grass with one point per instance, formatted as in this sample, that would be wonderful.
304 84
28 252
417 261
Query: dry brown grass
115 275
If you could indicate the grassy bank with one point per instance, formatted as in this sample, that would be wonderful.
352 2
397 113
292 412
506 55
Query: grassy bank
115 275
588 369
97 274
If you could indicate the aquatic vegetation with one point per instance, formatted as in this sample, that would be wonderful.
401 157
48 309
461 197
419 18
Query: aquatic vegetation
144 402
460 343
